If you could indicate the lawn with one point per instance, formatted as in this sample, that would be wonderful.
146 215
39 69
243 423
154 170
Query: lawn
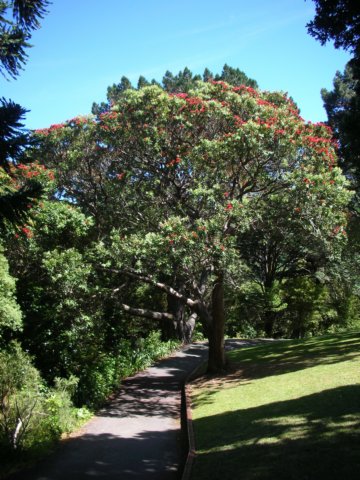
285 410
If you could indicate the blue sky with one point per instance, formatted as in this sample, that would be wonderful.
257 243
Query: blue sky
86 45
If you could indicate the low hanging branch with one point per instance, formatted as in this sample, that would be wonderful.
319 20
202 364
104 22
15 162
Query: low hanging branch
142 312
162 286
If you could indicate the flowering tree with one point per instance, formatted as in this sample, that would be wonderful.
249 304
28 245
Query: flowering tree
184 173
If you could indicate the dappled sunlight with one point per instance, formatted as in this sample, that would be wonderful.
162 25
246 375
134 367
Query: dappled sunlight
281 357
289 410
322 425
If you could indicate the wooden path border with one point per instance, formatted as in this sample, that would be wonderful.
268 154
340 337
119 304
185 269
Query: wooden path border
188 423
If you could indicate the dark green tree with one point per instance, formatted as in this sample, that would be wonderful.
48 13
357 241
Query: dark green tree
182 82
342 105
337 20
235 77
18 19
207 75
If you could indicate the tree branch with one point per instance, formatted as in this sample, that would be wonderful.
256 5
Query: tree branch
142 312
162 286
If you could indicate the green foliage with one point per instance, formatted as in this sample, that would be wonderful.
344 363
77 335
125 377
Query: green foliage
61 416
102 377
10 313
337 20
233 76
195 184
32 415
17 20
182 82
342 106
59 326
13 138
20 397
60 225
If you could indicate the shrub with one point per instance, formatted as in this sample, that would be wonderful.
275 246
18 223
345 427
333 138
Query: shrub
20 396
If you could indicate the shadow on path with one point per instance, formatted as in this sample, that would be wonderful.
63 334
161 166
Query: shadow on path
136 436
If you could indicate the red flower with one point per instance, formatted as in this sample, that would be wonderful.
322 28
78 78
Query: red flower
229 206
27 232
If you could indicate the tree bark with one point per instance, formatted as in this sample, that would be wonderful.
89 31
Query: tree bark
182 326
216 328
143 312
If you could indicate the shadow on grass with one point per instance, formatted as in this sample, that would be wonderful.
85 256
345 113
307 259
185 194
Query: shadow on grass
315 437
282 357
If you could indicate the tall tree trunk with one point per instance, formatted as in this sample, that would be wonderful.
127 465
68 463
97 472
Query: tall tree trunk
216 327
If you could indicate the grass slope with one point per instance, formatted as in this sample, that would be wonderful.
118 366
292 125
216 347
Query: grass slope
288 410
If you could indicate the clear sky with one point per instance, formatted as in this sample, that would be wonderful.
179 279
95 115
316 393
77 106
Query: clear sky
85 45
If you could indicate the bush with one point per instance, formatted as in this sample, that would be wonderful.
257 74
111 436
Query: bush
10 314
20 396
32 416
102 376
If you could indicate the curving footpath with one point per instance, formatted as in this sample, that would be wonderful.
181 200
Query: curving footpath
137 435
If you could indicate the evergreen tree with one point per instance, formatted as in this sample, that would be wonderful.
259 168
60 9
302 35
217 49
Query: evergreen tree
342 105
235 77
18 19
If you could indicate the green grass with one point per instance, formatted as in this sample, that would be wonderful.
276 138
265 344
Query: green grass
288 410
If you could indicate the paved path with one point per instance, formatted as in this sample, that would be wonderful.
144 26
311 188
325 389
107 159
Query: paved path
137 436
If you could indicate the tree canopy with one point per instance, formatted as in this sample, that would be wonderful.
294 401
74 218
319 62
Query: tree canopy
179 176
337 20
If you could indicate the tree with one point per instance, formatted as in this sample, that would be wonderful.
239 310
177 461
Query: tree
182 82
234 76
278 245
342 105
18 19
337 20
184 173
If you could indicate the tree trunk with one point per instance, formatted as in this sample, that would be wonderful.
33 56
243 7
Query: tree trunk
182 326
269 322
216 327
269 314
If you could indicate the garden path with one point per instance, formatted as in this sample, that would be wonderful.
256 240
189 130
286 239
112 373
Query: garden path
137 435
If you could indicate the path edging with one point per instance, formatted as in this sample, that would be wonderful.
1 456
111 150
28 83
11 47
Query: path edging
191 455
